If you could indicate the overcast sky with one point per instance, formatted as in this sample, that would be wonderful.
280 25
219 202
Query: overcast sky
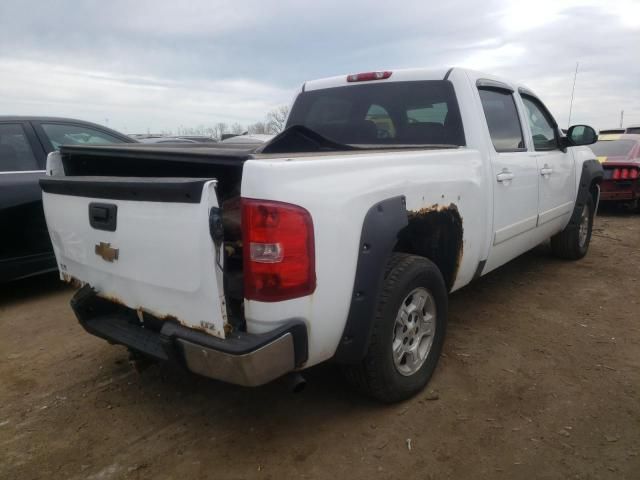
161 64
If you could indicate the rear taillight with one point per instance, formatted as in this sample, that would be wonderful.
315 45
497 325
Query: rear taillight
368 76
630 173
278 248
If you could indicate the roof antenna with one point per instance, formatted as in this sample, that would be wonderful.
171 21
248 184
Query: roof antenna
573 90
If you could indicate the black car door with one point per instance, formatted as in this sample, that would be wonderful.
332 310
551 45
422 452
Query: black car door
25 247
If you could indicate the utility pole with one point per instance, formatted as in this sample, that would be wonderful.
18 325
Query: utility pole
621 117
573 90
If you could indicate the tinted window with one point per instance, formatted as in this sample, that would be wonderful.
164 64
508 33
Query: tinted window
542 129
64 134
633 130
394 113
502 119
612 148
15 151
383 121
436 113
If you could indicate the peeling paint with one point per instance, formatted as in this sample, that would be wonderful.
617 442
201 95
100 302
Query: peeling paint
206 327
71 280
435 232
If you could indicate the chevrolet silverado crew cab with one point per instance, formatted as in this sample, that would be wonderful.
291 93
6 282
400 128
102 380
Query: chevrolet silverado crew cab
339 239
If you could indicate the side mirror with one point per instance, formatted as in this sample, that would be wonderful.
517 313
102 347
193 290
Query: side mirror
581 135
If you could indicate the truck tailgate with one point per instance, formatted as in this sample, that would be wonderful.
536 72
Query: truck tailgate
143 242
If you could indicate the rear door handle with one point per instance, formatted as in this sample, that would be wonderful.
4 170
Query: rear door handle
546 170
505 176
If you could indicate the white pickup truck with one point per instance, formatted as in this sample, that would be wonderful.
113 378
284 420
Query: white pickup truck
337 240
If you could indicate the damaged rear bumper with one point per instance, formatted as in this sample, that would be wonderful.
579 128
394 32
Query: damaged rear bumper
241 358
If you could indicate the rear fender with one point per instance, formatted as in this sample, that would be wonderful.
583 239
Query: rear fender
382 225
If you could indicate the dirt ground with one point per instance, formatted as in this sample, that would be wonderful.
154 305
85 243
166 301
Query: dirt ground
540 379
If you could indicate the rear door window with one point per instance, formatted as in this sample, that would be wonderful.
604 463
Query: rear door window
502 119
16 154
69 134
393 113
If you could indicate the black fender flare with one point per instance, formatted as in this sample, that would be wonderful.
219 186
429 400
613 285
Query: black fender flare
591 170
379 235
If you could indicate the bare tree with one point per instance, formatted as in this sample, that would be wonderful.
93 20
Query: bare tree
257 128
237 129
277 119
219 129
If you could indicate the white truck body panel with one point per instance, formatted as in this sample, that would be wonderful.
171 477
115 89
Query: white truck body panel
166 261
338 191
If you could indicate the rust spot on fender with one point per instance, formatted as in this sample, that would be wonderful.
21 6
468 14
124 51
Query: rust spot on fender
435 232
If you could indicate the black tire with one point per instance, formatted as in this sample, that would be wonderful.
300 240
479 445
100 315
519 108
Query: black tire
377 375
568 244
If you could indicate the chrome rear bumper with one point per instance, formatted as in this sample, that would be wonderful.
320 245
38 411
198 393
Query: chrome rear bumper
250 369
241 358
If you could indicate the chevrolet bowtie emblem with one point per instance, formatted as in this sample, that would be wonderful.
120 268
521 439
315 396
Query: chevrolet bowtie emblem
107 253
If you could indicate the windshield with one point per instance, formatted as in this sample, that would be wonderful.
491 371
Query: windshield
386 114
613 148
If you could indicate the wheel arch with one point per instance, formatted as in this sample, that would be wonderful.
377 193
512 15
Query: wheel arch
591 175
435 233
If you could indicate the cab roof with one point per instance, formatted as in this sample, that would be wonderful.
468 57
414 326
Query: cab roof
413 74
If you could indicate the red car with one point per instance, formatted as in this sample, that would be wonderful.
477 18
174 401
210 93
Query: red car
620 158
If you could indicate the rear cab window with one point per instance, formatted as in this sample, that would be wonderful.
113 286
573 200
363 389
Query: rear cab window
16 154
69 134
383 114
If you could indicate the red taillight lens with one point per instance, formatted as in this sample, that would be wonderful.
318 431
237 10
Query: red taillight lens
624 173
616 174
368 76
633 173
278 248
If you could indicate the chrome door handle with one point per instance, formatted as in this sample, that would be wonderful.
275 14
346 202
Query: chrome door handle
505 176
546 170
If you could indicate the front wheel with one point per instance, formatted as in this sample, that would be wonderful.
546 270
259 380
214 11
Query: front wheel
408 331
573 242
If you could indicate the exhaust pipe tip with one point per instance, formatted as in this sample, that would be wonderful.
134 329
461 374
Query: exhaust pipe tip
296 383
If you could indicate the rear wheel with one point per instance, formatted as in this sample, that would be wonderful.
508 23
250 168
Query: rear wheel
408 331
573 242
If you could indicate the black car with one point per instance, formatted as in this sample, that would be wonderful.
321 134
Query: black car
25 248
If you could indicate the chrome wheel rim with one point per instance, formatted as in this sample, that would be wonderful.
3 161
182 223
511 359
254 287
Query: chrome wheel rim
583 230
413 331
